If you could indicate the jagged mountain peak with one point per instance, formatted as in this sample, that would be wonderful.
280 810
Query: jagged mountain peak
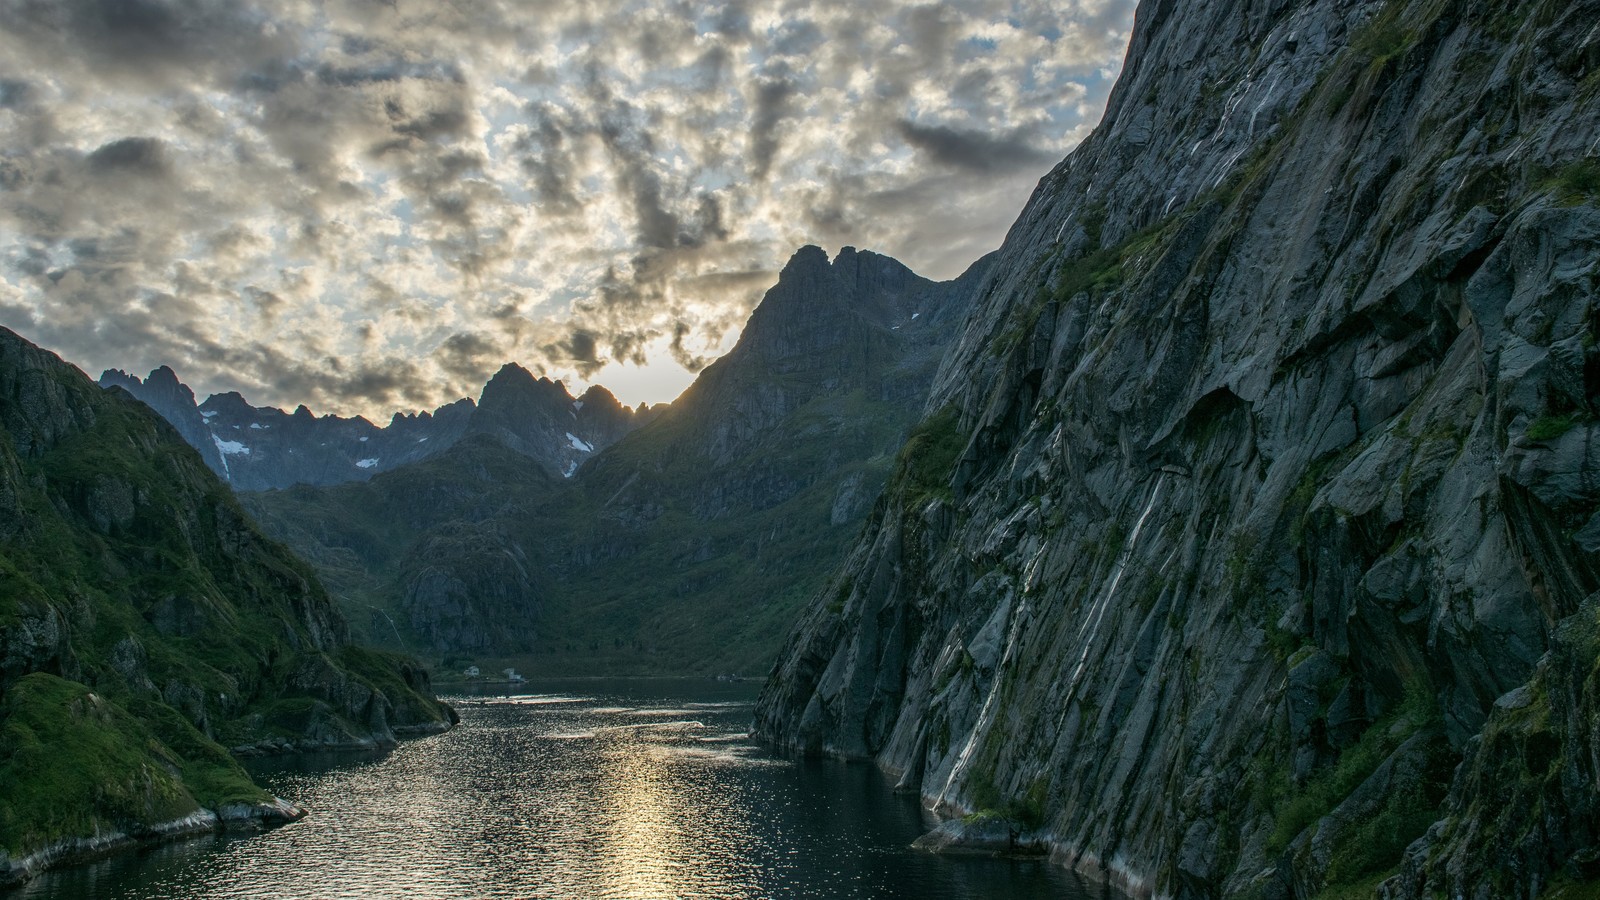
515 385
260 448
512 372
812 292
809 258
598 395
163 392
227 403
164 375
117 377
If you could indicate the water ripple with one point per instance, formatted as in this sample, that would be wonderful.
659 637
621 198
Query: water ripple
569 795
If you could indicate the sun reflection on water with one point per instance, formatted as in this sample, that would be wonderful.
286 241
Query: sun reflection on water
643 847
565 795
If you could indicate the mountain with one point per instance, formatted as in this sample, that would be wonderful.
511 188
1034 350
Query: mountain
1249 544
539 419
147 628
262 448
686 547
164 393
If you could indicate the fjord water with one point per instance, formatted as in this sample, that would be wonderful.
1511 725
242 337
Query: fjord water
602 788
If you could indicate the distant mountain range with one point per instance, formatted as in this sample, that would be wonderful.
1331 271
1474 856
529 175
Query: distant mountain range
261 448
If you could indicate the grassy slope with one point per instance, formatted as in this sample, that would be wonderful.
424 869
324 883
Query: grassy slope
147 623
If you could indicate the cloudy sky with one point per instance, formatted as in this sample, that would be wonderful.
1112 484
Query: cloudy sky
369 205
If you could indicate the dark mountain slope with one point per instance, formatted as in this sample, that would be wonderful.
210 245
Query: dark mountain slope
688 546
1262 479
145 625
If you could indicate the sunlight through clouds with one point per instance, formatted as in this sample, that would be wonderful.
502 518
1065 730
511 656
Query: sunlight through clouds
369 205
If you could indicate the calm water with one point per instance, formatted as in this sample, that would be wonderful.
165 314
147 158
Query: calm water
636 789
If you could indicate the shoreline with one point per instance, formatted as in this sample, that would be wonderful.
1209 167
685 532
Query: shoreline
975 835
285 747
15 872
71 851
440 684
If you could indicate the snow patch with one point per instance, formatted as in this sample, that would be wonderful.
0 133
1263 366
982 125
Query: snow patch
571 467
364 440
367 463
233 448
255 426
419 440
914 316
578 443
207 413
577 404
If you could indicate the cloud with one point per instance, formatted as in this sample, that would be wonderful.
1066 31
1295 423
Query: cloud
362 203
133 156
773 97
973 150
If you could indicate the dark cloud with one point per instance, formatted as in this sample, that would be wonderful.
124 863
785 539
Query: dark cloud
268 305
170 41
580 348
469 356
772 104
16 93
974 151
130 156
543 151
933 29
694 362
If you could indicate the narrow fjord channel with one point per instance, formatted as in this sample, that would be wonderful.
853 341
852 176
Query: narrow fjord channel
595 788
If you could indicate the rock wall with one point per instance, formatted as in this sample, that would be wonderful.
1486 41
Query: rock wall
1262 471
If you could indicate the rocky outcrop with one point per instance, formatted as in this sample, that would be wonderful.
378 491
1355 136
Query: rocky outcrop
146 625
1261 473
164 393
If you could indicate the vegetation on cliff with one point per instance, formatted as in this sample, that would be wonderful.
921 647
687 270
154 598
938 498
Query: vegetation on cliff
147 628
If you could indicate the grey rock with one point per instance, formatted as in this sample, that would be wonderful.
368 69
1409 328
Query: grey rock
1265 353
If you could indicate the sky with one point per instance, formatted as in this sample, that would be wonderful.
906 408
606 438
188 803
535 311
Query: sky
371 205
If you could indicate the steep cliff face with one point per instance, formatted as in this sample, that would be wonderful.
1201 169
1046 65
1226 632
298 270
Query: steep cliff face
147 627
692 544
1262 477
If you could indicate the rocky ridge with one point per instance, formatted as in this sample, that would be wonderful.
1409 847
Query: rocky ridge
1247 548
264 448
